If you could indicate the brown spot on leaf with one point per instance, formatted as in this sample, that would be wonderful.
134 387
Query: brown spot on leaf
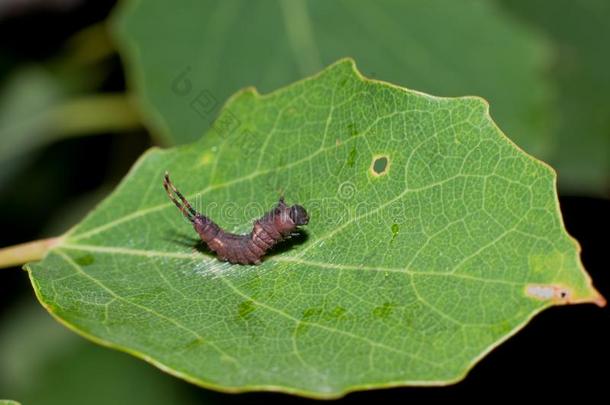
547 292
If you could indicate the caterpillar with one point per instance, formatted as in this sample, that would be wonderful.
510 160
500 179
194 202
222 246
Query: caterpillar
273 227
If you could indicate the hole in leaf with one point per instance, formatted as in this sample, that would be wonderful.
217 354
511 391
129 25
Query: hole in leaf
380 165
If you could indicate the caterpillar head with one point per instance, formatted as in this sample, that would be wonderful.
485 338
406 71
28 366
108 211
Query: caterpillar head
298 215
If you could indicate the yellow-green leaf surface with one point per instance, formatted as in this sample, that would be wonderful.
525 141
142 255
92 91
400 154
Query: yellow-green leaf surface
432 239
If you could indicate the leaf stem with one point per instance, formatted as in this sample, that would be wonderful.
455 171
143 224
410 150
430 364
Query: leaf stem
22 253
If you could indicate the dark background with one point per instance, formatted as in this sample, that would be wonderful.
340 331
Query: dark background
562 351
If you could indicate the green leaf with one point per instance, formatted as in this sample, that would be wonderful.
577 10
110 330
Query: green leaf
8 402
186 58
432 239
578 30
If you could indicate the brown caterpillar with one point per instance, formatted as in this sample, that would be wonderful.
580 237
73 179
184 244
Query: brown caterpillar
273 227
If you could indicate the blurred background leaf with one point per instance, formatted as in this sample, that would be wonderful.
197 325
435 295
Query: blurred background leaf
192 52
22 97
44 363
43 102
579 32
